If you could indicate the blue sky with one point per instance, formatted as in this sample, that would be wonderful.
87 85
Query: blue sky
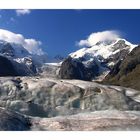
59 30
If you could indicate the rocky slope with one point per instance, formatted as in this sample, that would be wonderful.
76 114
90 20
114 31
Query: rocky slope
127 72
74 69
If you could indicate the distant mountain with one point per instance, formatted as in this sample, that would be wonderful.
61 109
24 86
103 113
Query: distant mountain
13 50
24 62
20 59
59 58
126 72
104 52
97 60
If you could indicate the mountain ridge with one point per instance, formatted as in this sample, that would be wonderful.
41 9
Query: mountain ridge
102 57
126 72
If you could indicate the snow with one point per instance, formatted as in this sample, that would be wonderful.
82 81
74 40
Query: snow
132 46
20 57
101 50
25 60
19 50
111 64
53 64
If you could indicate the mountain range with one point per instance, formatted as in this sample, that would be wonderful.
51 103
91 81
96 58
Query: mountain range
108 61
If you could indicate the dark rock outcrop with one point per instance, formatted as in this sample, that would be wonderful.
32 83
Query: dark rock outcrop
71 69
74 69
15 60
126 72
11 121
6 67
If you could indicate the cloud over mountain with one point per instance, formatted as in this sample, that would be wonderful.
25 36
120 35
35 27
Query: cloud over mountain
32 45
93 38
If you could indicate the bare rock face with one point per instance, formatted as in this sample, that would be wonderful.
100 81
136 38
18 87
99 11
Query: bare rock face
75 69
11 121
71 69
6 67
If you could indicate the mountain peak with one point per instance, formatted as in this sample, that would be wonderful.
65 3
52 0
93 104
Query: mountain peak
104 53
105 42
104 48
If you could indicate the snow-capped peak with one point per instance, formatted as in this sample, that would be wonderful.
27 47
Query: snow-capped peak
105 42
17 52
103 55
104 49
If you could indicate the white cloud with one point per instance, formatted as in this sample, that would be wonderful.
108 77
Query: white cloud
23 12
32 45
93 38
83 43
